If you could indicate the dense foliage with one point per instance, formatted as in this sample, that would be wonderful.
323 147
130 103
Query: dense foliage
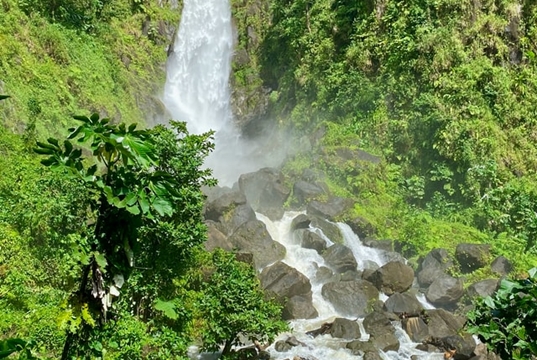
506 321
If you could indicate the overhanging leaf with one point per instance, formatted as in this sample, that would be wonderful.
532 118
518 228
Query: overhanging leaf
167 308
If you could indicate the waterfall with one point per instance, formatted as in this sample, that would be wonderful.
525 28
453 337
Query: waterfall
197 83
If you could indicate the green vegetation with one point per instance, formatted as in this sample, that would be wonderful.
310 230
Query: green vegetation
506 321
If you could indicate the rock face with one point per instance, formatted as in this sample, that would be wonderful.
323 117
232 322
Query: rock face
382 332
472 256
265 191
445 291
253 237
392 277
340 258
351 298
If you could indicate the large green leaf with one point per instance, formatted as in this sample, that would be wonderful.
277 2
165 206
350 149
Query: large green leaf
167 308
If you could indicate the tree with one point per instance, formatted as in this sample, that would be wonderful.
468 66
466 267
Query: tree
232 303
146 201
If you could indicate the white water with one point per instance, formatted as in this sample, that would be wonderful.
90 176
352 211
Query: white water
197 89
307 261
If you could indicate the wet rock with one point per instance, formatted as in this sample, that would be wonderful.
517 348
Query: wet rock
381 331
501 266
403 303
433 266
483 288
265 191
360 348
300 221
287 344
284 281
345 329
392 277
472 256
304 192
253 237
299 307
311 240
330 230
372 355
330 209
340 258
416 328
324 274
362 227
445 291
351 298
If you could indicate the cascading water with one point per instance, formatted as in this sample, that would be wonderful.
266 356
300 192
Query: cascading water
197 88
307 261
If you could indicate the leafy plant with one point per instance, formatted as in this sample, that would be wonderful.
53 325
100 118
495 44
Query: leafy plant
134 184
506 321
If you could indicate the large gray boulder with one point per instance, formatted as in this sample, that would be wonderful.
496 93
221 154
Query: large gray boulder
442 323
392 277
472 256
253 237
284 282
351 298
403 303
329 229
304 191
482 288
433 266
215 238
445 291
340 258
330 209
381 331
265 191
228 210
311 240
362 227
299 307
345 329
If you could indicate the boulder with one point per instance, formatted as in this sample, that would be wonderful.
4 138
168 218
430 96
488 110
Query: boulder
392 277
299 307
330 209
442 323
403 303
215 238
381 331
300 221
362 227
284 282
329 229
311 240
345 329
445 291
265 191
433 266
305 191
340 258
464 345
483 288
324 274
416 328
222 202
385 245
361 348
472 256
350 298
287 344
253 237
501 266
